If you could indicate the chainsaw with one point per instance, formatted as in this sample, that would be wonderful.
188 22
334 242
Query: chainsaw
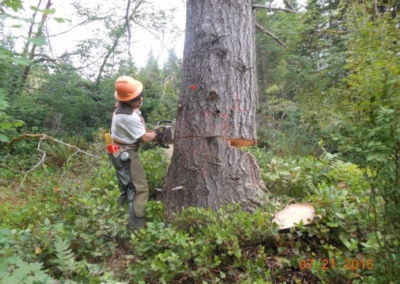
165 132
165 135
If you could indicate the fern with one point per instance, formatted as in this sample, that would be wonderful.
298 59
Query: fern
15 270
59 153
65 257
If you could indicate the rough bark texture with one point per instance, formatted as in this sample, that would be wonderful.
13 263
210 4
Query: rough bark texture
216 112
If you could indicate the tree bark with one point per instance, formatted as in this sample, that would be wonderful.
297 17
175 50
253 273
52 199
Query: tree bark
118 36
217 110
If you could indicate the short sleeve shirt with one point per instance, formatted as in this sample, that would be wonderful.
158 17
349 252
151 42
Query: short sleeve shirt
127 128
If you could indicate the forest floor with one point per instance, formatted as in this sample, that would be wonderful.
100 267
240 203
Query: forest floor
78 203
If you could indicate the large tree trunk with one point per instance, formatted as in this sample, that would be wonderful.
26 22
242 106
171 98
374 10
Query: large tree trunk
216 112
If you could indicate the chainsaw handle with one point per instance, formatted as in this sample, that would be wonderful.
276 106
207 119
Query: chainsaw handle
164 121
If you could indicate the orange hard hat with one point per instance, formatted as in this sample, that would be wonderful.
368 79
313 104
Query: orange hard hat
127 88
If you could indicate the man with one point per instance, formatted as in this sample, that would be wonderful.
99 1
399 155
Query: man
127 130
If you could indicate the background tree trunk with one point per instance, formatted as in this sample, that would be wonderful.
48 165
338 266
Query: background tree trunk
217 109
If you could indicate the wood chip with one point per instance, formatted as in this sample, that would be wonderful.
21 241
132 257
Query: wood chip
177 188
294 214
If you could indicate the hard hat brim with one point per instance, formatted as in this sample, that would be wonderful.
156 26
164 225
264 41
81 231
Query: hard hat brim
130 96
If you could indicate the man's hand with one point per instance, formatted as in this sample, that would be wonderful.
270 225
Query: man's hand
159 134
149 136
161 139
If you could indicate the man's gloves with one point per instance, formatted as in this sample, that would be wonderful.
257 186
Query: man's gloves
160 136
165 135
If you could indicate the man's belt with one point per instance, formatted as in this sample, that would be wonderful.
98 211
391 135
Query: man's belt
132 146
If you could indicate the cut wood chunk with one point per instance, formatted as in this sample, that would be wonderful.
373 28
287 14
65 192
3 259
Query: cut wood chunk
294 214
241 142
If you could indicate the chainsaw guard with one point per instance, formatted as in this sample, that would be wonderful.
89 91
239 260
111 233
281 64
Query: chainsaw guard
127 189
133 221
122 170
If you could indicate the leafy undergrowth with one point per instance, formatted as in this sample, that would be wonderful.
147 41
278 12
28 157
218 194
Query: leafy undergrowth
71 230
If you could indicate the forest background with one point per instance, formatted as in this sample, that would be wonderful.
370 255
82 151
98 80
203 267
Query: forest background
328 134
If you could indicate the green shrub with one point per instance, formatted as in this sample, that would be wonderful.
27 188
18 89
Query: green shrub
201 244
74 228
294 177
155 166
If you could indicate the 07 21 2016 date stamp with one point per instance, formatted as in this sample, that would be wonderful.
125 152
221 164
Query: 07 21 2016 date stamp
334 263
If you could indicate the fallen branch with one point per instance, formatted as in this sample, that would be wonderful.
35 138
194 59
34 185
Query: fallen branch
23 136
37 165
43 137
258 26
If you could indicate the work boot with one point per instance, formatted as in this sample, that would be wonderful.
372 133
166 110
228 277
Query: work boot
136 223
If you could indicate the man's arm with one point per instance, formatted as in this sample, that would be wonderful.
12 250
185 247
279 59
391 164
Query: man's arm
148 137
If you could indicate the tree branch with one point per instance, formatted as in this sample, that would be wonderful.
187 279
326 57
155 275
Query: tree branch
258 26
116 40
150 31
37 165
43 59
42 137
256 6
48 39
288 4
128 28
73 27
110 51
26 48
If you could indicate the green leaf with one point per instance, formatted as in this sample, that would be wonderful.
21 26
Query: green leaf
39 41
3 138
49 11
3 268
14 4
3 104
5 125
60 20
340 215
332 224
8 124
